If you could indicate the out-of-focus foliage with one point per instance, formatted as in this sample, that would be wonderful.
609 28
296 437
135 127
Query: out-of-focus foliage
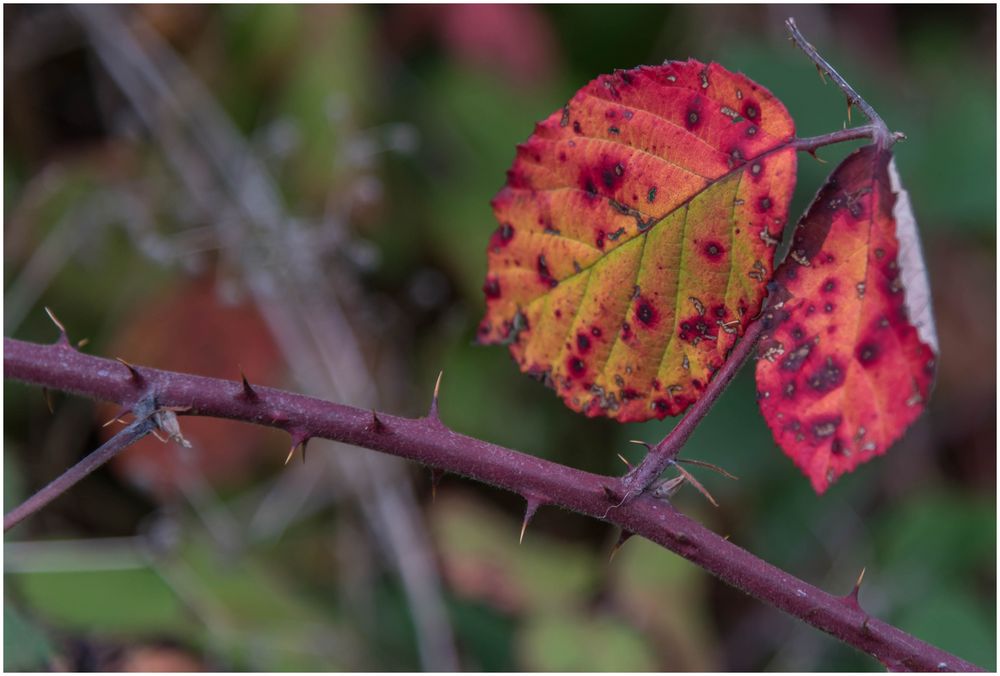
384 132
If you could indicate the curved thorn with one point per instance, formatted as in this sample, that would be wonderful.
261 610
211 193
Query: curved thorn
433 413
63 337
83 342
625 460
47 393
622 539
529 512
694 482
134 375
708 465
299 440
375 425
852 597
248 392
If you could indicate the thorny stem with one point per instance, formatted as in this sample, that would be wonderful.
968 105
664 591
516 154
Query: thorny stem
143 424
879 131
428 441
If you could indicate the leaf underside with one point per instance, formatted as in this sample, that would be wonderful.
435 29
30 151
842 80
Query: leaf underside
848 358
636 236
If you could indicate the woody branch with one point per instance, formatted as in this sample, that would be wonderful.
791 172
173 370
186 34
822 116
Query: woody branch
540 482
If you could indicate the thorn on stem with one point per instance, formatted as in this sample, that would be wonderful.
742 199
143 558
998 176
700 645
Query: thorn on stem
47 393
375 425
83 342
849 103
436 476
625 460
118 416
622 538
694 482
529 512
639 442
852 598
433 414
63 338
708 465
248 392
299 440
134 375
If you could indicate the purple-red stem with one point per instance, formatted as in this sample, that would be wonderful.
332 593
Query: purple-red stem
140 427
428 441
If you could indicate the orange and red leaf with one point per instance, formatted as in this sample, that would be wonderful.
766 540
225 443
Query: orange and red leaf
849 357
636 236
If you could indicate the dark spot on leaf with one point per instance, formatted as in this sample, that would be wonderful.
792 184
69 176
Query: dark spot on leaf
577 128
828 308
830 285
543 272
750 111
504 234
692 119
867 353
793 360
713 250
582 342
576 366
600 239
829 376
751 130
764 204
595 331
645 312
651 197
797 333
837 446
825 426
492 287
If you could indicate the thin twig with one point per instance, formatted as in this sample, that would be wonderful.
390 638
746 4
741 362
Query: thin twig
432 444
143 424
880 133
661 455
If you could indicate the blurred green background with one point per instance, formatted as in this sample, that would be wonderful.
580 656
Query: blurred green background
303 193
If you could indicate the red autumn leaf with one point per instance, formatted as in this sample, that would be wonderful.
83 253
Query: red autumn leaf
849 356
637 231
